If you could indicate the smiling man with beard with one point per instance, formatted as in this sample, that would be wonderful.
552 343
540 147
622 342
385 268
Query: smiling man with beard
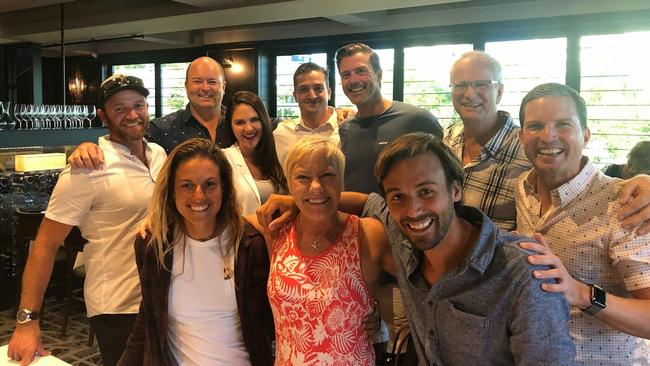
107 205
466 285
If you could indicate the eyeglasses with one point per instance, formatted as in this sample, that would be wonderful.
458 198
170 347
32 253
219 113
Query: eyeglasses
119 81
477 85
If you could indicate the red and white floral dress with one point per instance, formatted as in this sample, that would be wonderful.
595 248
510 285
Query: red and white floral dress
319 302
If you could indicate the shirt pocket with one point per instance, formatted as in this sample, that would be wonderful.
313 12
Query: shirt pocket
462 335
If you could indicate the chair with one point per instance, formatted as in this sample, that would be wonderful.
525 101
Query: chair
73 244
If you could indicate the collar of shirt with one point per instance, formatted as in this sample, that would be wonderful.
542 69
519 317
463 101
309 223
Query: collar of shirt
455 137
479 257
107 145
186 115
330 124
564 194
491 148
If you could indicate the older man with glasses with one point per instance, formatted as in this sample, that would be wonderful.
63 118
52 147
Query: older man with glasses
487 141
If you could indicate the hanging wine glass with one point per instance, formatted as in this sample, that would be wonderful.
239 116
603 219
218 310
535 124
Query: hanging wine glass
9 120
18 115
92 113
3 123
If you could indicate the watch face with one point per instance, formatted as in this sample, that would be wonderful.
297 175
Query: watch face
599 297
22 316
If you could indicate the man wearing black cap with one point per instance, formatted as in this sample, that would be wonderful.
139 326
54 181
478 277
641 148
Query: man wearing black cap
107 206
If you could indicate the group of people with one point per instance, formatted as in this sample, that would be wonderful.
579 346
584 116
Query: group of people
212 283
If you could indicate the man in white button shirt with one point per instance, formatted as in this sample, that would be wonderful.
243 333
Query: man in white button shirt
602 269
312 92
107 205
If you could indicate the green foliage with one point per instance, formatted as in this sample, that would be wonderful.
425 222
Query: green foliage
176 100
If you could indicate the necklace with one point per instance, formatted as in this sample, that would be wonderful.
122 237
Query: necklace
225 257
316 245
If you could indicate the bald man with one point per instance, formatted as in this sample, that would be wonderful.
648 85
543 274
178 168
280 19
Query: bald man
205 85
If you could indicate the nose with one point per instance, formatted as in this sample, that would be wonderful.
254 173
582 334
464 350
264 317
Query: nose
315 185
248 127
198 193
470 91
311 94
548 133
205 85
412 207
132 115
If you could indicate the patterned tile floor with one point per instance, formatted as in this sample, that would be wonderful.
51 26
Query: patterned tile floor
73 348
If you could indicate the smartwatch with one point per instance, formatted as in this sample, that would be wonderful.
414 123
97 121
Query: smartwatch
25 316
598 300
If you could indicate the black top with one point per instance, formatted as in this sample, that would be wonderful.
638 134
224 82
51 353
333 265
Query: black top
362 139
177 127
614 170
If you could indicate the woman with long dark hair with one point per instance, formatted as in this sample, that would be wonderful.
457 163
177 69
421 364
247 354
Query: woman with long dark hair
249 133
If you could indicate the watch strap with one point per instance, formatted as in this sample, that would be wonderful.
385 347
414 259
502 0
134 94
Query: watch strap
25 315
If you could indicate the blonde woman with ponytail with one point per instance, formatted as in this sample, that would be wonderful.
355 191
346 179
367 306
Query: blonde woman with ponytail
203 271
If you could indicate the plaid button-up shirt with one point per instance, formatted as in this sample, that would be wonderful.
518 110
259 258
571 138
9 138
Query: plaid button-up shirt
491 179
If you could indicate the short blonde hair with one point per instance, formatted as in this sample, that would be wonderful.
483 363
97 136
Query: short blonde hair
306 148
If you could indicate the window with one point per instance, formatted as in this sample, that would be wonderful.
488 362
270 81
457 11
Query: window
526 64
172 78
426 78
285 68
615 83
386 60
147 73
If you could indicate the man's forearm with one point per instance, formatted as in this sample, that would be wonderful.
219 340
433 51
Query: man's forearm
630 316
36 276
352 202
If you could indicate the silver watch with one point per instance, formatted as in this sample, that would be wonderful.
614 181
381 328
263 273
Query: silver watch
25 315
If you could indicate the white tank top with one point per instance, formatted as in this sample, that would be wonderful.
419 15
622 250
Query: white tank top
204 325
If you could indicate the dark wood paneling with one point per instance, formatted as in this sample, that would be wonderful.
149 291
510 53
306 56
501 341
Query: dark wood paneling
246 79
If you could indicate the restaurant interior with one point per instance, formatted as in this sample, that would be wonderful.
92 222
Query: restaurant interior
55 53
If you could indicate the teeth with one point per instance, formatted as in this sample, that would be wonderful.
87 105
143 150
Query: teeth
471 105
420 225
550 151
134 124
317 200
354 90
198 207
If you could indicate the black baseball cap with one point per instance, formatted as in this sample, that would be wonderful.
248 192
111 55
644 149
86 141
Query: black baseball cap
118 82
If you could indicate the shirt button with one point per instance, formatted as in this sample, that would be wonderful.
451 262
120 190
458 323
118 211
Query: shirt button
430 303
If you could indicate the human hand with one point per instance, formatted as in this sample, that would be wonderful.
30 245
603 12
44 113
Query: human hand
87 155
634 198
144 228
576 293
372 322
344 113
276 203
26 343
